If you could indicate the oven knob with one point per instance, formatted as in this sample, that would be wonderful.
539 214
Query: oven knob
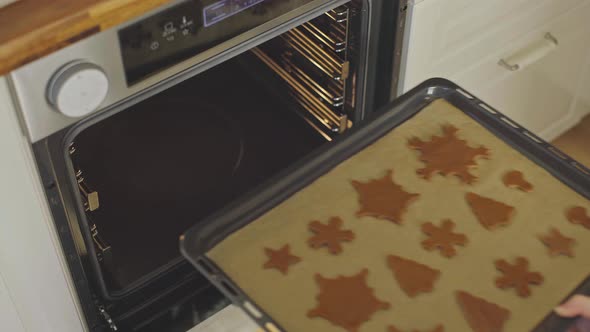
77 88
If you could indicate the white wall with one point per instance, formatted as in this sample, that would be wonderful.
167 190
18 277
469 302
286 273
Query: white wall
34 290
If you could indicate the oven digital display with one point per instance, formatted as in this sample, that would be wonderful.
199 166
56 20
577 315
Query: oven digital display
223 9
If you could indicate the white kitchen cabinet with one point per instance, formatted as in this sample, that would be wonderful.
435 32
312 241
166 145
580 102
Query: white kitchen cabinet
31 263
9 320
463 40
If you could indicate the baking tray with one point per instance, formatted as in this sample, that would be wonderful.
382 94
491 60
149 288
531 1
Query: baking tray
197 241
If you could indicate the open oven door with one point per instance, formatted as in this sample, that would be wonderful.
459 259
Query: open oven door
337 240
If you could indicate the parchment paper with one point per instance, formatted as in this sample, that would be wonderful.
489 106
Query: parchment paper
288 298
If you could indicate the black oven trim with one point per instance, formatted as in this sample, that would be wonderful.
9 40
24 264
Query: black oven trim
54 194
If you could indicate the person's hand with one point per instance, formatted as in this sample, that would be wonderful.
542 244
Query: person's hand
577 305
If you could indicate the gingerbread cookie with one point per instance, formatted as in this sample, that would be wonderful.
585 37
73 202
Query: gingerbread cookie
443 238
413 278
330 235
280 259
579 216
557 243
448 155
517 275
515 179
383 198
482 315
438 328
346 301
490 213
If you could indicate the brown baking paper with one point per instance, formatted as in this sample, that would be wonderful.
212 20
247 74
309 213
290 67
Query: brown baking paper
288 298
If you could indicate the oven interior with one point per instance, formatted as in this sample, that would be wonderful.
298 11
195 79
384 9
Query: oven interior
148 173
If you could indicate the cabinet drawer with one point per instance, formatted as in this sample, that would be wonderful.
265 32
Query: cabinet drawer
544 97
450 36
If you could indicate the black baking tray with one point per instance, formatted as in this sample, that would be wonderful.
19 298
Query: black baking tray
198 240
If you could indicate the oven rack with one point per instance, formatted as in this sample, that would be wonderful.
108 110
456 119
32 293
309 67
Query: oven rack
312 60
304 96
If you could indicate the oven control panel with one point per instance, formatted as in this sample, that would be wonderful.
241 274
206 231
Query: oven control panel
190 28
159 41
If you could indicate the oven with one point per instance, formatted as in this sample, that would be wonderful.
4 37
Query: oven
142 130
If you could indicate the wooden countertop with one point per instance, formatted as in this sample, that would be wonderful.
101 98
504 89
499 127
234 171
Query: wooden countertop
30 29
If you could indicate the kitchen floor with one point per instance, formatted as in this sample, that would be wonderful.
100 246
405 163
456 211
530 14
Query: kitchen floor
575 142
230 319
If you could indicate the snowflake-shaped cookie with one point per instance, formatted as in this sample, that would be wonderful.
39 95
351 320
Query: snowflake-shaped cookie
517 275
448 155
347 302
443 238
330 235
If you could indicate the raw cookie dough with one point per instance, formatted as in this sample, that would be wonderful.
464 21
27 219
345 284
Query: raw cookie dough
330 235
443 238
448 155
557 243
515 179
280 259
346 301
490 213
482 315
578 215
517 275
383 198
413 278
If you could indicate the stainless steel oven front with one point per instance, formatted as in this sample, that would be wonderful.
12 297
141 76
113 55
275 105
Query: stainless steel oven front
142 130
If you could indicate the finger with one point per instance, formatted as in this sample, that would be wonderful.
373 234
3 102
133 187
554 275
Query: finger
578 305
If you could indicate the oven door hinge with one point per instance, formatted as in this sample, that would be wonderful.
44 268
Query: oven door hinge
103 249
90 196
105 315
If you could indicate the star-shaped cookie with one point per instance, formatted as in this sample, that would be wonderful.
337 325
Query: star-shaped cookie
382 198
347 302
280 259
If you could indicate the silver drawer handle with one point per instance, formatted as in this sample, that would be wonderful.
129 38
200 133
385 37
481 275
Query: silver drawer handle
530 53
